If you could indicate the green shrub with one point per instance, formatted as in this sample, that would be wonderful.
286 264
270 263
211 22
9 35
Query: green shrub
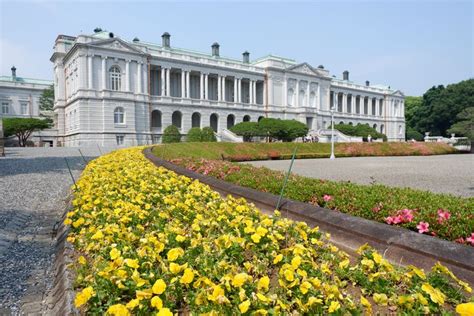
413 134
171 135
247 130
207 135
194 135
360 130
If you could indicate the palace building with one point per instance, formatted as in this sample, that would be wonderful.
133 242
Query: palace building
110 91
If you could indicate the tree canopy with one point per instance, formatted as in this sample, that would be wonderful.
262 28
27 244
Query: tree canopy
46 101
439 107
171 134
465 124
361 130
22 128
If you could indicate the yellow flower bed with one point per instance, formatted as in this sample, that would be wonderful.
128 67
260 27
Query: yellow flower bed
150 241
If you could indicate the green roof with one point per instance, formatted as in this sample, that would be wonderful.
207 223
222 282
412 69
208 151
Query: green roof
26 80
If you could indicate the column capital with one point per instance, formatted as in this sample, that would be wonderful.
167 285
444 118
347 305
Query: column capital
104 57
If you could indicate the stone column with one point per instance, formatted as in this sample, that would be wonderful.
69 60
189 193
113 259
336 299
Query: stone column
139 78
297 94
188 86
250 91
206 86
163 80
168 82
104 73
344 103
201 86
89 71
145 78
235 89
183 85
255 92
308 92
285 92
318 97
127 75
223 88
239 92
219 87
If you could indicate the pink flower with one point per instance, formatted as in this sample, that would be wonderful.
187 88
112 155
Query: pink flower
470 239
460 240
327 198
423 227
389 220
406 215
443 216
397 219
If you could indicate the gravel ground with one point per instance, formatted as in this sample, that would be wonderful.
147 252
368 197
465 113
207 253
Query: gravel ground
442 174
34 184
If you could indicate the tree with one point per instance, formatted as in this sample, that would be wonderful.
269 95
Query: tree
22 128
208 135
440 107
171 135
247 130
465 123
285 130
46 101
194 135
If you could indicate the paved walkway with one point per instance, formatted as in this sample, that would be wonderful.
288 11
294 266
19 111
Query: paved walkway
443 174
34 184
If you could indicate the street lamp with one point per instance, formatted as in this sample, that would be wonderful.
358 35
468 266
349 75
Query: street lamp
332 134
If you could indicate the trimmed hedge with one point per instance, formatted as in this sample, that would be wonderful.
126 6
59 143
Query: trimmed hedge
171 135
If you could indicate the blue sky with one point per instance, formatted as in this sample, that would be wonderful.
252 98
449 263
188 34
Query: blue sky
409 45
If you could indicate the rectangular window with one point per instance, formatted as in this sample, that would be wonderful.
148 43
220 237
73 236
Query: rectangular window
5 107
119 139
24 108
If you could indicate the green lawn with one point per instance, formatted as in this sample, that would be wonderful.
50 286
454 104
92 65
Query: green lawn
263 151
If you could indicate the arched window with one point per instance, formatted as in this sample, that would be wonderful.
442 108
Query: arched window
196 120
350 123
119 115
382 129
290 97
375 126
176 119
156 119
214 122
115 78
246 118
260 118
400 130
230 120
341 122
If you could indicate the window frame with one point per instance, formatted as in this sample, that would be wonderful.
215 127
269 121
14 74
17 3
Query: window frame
115 78
119 112
5 105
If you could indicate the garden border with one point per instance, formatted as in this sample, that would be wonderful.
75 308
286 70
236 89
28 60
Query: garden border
399 245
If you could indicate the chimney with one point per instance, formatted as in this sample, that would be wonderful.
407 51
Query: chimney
367 83
111 35
321 67
345 75
215 49
13 73
246 57
165 40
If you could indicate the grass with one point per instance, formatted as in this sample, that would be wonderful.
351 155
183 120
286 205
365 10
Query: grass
374 202
264 151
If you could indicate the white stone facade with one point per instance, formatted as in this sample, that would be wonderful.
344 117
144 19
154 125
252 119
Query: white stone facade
109 91
19 97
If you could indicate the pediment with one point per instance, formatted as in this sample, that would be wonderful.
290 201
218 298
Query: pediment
398 93
304 68
116 44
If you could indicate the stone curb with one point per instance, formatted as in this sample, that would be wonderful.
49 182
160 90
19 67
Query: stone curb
399 245
61 296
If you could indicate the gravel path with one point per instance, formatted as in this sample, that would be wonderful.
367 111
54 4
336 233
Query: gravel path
442 174
34 184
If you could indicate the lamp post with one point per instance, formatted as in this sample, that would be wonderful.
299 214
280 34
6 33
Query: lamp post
332 134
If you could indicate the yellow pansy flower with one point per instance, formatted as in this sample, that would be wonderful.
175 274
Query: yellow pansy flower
380 299
159 286
436 295
114 253
334 306
118 310
83 296
244 306
263 283
239 279
278 258
164 312
466 309
156 302
305 286
175 253
187 277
